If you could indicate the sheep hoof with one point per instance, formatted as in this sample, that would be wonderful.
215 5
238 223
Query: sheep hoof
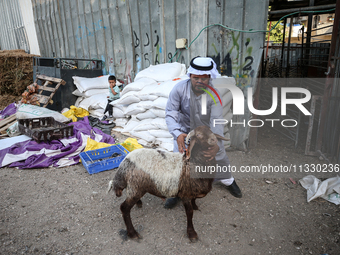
139 204
193 240
123 234
135 235
193 236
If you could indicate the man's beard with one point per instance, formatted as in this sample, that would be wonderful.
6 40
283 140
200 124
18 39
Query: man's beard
198 88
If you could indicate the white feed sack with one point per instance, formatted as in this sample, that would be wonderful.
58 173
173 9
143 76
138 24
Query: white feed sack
167 146
98 101
132 123
144 125
142 142
165 143
138 85
98 113
28 111
158 112
79 99
160 103
160 133
121 122
121 106
117 113
161 89
146 104
162 72
146 97
146 115
159 123
91 92
145 135
133 109
77 93
150 124
84 84
127 99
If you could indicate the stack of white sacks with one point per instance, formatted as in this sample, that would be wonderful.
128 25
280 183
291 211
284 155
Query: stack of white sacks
140 111
92 94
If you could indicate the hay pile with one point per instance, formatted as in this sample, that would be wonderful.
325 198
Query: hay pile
16 73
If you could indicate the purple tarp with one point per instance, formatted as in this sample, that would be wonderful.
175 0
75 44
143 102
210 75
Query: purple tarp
57 153
8 111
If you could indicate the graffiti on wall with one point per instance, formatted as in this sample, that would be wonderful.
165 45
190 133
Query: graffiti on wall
231 65
147 59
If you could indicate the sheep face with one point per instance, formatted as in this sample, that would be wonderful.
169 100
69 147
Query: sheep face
202 138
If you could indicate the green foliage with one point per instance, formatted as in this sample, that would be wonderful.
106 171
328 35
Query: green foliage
276 35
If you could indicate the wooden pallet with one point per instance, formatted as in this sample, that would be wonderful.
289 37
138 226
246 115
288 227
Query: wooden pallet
46 80
6 123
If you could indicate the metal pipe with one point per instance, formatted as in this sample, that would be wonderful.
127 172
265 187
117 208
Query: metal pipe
301 62
283 44
309 30
321 28
310 8
289 38
270 26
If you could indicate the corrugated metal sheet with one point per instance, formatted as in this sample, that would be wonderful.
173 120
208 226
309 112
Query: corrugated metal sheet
131 35
12 30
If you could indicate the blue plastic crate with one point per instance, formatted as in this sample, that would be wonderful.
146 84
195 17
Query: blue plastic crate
99 160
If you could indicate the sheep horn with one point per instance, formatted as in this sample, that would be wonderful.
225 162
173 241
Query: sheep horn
191 134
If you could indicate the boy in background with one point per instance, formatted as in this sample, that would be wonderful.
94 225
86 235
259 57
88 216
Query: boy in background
114 95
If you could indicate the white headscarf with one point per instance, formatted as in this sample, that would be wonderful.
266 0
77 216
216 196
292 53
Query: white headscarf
201 66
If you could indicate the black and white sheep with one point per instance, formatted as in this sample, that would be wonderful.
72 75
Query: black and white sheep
165 174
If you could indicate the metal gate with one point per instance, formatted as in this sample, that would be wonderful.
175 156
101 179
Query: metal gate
307 60
330 119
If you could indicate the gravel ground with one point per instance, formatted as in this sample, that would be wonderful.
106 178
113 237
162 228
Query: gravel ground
67 211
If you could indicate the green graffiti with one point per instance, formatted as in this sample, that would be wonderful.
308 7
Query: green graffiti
249 50
243 69
213 44
235 43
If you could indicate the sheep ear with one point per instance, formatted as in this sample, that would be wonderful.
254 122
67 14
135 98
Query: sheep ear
191 145
221 137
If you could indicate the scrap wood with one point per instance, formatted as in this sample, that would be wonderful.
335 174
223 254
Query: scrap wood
4 136
7 126
6 123
7 120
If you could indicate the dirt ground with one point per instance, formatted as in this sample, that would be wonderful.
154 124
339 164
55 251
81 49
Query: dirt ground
67 211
